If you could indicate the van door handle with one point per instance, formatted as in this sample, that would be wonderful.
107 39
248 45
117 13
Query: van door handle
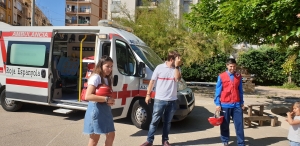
43 73
115 82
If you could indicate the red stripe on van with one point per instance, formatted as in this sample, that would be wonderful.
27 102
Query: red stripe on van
3 51
111 35
27 83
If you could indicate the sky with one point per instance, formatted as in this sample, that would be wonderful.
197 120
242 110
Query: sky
54 10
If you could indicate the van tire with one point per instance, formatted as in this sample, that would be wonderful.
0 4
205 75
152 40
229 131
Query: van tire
141 114
12 106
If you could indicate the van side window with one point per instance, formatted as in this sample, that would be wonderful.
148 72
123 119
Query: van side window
106 49
31 54
125 60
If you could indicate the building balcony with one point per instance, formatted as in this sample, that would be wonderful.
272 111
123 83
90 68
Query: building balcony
3 5
80 11
2 20
84 10
17 24
74 22
78 1
20 13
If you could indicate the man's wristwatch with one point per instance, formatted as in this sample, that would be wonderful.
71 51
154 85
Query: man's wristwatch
106 98
177 67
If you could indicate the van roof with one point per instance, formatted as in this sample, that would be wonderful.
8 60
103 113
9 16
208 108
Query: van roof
129 37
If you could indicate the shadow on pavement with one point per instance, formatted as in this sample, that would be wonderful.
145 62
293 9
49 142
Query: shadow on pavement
249 141
48 110
196 121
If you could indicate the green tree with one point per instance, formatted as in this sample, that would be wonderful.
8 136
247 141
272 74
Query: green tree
162 31
255 21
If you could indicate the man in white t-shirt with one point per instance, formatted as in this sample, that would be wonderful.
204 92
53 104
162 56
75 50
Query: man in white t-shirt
166 75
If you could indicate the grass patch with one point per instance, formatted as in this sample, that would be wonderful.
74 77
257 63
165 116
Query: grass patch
291 86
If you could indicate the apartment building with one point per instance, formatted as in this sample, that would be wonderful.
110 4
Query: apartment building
115 7
85 12
22 14
6 7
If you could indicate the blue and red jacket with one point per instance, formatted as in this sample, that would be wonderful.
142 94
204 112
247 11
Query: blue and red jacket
229 90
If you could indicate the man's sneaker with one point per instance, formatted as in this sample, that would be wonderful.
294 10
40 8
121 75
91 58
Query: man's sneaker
147 144
166 143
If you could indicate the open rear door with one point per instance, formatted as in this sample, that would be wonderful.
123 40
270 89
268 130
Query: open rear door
27 70
77 39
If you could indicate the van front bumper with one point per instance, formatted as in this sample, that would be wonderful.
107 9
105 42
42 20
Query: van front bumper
186 103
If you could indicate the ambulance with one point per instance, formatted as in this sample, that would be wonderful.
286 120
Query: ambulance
50 65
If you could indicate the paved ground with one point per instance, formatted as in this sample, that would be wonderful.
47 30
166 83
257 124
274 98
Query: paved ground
38 126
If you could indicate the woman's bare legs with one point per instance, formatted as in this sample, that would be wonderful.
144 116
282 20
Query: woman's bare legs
94 138
110 139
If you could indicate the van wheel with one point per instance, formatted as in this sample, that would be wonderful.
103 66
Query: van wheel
9 105
141 114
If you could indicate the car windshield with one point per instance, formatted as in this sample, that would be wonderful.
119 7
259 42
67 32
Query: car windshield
147 55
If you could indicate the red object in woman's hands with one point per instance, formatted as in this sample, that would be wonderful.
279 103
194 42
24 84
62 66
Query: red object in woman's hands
103 90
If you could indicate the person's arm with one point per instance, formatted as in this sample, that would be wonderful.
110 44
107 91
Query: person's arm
241 93
218 93
90 91
90 96
290 120
149 90
151 84
177 72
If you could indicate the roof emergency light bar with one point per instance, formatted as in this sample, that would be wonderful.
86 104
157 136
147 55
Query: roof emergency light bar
110 23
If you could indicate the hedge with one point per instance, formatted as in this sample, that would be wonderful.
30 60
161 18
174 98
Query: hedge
265 63
207 71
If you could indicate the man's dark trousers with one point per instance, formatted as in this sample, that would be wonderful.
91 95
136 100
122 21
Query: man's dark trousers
237 117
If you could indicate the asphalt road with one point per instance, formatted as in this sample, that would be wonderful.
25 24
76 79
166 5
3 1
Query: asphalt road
37 125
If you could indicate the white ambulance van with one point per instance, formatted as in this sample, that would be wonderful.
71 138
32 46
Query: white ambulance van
48 65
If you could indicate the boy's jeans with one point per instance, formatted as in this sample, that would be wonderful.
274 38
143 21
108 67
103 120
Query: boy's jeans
161 108
237 117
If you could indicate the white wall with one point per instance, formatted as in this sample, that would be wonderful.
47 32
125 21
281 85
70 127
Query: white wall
180 7
116 6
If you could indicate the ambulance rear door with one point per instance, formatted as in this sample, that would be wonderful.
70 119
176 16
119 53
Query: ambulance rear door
27 66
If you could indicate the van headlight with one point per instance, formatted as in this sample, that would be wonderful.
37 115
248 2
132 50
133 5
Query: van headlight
181 85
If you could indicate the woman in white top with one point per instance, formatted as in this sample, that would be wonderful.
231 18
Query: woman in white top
98 117
294 132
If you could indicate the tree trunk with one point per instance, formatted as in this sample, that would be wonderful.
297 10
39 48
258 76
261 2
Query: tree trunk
290 78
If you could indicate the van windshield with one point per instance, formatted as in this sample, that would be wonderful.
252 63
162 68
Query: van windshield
147 55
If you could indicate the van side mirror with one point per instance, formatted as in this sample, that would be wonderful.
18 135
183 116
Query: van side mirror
142 69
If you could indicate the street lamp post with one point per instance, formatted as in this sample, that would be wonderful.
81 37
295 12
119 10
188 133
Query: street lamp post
32 12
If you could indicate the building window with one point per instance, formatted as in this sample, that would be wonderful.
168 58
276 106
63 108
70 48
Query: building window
9 4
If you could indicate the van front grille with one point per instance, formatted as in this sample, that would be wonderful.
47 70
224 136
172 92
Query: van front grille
189 97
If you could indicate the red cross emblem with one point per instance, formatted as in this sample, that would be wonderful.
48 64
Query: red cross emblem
124 94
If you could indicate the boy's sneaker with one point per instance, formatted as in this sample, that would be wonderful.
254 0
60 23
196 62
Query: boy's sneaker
166 143
147 144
